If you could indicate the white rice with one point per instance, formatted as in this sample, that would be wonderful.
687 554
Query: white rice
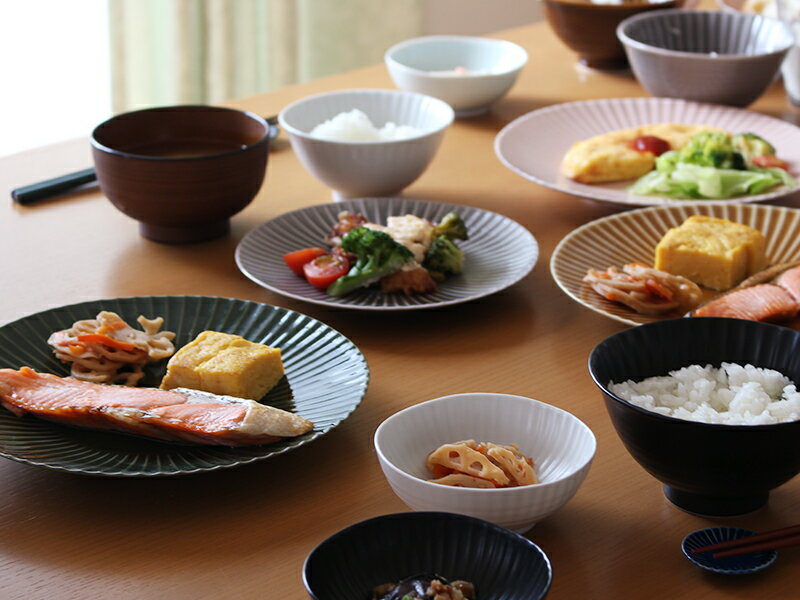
731 395
356 126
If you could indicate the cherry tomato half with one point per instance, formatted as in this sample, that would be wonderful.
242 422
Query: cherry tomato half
297 259
325 269
766 162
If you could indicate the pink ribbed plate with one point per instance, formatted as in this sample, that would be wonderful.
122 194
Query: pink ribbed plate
534 144
632 237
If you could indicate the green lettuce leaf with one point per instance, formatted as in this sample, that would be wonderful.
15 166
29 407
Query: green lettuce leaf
688 181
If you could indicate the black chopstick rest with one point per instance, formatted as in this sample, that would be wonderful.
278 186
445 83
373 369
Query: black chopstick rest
45 189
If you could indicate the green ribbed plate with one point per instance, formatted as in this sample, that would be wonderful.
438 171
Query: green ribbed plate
326 378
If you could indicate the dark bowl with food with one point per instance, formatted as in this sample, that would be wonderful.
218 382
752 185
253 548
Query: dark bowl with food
181 171
411 548
590 28
707 468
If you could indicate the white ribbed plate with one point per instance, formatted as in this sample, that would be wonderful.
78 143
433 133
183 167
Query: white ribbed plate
632 237
326 378
498 253
533 145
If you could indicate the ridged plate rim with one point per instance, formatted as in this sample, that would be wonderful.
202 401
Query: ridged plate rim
733 565
315 357
547 133
498 253
632 237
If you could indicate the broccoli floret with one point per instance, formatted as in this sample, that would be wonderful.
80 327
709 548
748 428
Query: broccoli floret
443 258
711 149
750 145
451 226
377 255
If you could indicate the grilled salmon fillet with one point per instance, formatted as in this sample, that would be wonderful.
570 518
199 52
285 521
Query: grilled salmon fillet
763 302
179 415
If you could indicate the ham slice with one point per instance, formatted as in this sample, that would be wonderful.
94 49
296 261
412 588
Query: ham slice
179 415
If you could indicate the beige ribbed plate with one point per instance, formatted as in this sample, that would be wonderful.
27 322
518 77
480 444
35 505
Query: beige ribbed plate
534 144
632 237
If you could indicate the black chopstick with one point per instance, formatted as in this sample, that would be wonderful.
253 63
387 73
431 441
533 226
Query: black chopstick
768 540
45 189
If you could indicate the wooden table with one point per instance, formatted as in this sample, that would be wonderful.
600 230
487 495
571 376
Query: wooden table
244 532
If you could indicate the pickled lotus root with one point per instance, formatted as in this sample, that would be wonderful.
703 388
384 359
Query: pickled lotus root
480 465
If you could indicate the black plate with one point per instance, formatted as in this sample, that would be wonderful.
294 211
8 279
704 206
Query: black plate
326 378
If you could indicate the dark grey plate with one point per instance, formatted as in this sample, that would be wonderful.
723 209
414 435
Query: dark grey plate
326 378
498 253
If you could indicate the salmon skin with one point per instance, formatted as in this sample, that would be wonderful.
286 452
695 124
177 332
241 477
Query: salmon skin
179 415
762 302
790 281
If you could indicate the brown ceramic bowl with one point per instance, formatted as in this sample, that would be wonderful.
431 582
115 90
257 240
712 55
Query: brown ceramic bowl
181 171
590 29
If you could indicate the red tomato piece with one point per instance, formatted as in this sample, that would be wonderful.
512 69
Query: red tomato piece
297 259
650 143
325 269
766 162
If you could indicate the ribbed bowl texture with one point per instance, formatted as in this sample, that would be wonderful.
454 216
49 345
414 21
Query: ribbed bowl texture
501 564
561 446
710 469
705 56
492 67
367 168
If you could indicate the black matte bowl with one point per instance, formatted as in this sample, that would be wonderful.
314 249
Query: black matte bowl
708 469
502 564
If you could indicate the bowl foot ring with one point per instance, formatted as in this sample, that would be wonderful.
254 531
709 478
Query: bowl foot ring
715 505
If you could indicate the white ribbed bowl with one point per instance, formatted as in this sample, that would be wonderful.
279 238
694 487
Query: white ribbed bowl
367 168
424 64
720 57
561 446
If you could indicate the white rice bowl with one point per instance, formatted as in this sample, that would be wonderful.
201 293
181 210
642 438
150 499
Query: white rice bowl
730 395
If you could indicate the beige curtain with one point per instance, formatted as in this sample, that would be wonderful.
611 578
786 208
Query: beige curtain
208 51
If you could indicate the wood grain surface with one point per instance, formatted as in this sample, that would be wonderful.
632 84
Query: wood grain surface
244 533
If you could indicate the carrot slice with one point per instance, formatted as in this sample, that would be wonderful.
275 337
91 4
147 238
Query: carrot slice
96 338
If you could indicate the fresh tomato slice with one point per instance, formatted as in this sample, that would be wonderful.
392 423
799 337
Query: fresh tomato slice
766 162
297 259
325 269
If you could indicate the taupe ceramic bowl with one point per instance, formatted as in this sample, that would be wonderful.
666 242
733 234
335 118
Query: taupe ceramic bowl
705 56
591 29
181 171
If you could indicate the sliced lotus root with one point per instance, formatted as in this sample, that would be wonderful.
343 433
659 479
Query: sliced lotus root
461 480
514 464
464 459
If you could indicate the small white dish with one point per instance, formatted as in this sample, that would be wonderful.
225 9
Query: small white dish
469 73
561 446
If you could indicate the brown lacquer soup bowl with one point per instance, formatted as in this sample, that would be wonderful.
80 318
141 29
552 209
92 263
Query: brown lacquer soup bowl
181 171
590 28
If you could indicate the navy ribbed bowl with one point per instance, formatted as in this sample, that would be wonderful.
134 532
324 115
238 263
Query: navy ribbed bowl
502 564
705 56
709 469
